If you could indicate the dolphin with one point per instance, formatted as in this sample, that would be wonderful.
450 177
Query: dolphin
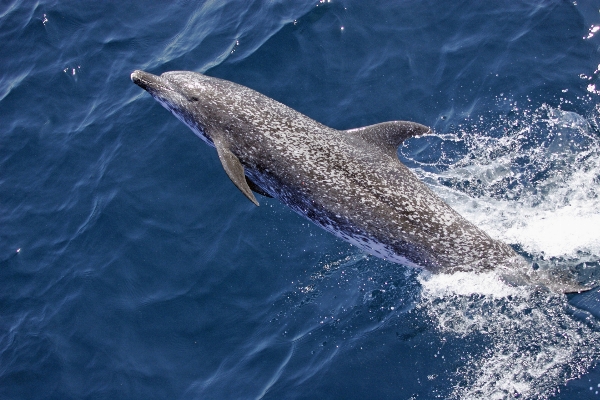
349 182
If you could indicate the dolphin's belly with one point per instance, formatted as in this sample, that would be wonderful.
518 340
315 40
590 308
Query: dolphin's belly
387 247
400 220
349 225
411 257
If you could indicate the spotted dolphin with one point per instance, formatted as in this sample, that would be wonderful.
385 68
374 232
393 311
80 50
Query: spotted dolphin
349 182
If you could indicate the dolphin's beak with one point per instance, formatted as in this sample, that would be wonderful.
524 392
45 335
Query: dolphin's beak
147 81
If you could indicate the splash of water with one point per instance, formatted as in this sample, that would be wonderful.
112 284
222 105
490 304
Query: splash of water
533 341
536 186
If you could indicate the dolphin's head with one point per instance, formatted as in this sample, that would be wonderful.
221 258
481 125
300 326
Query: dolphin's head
183 93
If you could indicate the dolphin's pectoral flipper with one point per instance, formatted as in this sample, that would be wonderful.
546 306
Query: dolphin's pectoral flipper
257 189
389 135
235 170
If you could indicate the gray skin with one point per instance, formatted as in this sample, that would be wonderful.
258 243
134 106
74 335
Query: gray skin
350 183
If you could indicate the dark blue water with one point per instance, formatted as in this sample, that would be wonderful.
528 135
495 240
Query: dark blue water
131 267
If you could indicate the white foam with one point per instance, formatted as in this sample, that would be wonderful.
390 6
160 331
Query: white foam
465 284
526 344
562 232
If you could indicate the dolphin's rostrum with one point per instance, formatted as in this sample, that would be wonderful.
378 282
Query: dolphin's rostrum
350 183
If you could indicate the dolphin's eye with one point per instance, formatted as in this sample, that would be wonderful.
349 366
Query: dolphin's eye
193 98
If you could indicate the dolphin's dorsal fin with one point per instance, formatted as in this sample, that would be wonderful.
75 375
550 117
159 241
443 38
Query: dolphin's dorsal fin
389 135
234 169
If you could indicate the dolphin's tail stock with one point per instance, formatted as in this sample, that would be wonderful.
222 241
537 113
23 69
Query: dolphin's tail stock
559 280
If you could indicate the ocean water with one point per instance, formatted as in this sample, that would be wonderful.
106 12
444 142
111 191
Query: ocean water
131 267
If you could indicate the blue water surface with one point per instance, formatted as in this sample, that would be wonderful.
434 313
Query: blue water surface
131 267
